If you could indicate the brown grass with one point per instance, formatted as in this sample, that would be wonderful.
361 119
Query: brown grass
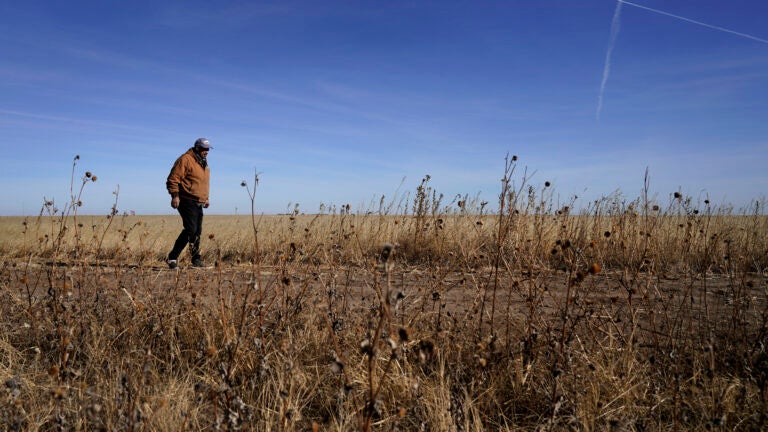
419 315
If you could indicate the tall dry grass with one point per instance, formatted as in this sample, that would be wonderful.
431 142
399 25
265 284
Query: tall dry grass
423 313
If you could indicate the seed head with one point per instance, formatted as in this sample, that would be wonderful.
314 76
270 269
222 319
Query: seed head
88 174
243 183
426 351
594 268
579 278
386 251
336 366
547 184
366 347
392 344
59 393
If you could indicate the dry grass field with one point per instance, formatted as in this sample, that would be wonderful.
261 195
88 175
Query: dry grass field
422 314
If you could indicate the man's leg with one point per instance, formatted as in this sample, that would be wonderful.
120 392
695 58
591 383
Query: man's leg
189 216
195 243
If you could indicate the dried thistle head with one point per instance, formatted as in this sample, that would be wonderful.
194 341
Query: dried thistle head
386 252
211 351
426 350
366 347
392 343
404 334
336 366
59 393
594 269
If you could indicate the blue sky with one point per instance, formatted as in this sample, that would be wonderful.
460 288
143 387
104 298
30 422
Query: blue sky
340 102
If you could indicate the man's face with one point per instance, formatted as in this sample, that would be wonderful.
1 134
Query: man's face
203 151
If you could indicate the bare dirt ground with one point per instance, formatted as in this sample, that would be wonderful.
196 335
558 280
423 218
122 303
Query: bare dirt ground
452 296
532 338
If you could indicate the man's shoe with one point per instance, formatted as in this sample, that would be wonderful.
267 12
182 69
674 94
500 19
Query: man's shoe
198 263
172 264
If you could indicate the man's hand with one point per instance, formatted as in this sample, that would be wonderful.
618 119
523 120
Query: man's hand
206 204
175 202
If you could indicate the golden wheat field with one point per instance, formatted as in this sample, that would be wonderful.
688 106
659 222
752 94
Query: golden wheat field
626 315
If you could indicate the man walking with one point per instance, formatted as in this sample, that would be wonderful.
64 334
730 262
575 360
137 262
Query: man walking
189 185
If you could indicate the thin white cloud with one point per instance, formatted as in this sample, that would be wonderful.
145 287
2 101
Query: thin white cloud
615 27
46 120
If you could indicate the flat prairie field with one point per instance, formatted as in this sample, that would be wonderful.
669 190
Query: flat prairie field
438 320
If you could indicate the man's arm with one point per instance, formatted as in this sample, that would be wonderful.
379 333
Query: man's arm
173 181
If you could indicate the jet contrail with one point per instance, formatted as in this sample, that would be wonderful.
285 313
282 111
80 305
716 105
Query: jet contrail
722 29
615 26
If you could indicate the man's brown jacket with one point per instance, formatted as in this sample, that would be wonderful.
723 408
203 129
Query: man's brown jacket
189 179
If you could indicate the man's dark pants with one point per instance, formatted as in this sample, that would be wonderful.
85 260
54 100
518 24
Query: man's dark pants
192 216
